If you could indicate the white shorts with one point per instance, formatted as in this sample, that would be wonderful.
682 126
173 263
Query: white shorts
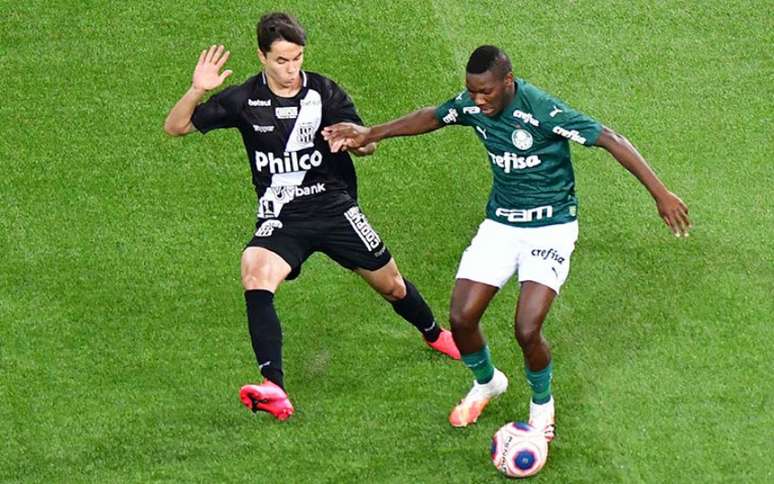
540 254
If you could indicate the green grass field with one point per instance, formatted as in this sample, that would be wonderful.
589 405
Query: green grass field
123 340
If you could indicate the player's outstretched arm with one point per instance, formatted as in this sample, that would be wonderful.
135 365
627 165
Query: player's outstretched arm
672 210
206 76
347 136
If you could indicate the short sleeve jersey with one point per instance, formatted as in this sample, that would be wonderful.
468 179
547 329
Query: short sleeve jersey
293 170
528 148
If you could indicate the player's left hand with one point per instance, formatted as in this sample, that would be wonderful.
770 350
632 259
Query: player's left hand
674 212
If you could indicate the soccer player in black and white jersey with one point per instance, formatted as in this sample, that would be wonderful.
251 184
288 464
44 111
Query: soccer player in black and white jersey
307 196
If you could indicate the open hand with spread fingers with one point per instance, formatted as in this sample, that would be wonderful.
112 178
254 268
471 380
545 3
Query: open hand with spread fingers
207 75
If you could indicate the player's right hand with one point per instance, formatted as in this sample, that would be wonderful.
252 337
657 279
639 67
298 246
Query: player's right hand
674 212
207 75
346 136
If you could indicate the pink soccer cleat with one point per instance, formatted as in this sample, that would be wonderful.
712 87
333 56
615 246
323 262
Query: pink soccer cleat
267 397
445 344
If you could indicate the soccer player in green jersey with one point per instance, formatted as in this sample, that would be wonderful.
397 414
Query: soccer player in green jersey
530 226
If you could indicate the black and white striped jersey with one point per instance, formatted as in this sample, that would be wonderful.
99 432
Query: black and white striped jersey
294 172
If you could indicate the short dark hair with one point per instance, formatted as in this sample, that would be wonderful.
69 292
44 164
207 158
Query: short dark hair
489 58
279 26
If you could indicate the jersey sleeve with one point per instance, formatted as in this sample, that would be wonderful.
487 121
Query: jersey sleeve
217 112
560 120
338 106
452 112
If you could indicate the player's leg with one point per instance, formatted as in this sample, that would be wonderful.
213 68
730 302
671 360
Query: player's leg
534 303
274 254
410 305
262 272
543 269
469 301
351 241
486 265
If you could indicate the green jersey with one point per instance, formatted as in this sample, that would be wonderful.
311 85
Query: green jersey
529 152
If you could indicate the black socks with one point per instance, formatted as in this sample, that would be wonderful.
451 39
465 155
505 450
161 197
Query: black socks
415 310
265 333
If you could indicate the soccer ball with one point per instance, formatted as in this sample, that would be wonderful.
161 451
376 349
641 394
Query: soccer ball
519 450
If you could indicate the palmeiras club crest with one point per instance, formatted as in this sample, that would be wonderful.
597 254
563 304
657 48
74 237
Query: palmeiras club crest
521 139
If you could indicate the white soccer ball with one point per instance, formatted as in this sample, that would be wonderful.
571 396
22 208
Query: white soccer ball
519 450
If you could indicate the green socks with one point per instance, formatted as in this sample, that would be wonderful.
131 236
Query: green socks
540 381
480 363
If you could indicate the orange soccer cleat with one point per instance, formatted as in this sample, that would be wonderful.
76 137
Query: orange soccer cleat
470 408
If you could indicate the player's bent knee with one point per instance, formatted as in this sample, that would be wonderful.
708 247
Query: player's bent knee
528 335
253 281
262 269
260 276
392 289
398 290
462 321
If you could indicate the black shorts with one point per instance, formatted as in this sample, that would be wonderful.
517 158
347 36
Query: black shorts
347 238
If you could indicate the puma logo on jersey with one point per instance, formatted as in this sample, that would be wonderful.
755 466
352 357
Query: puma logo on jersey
555 112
